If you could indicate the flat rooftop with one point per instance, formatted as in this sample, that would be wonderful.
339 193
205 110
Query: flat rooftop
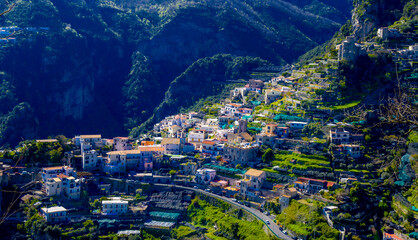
54 209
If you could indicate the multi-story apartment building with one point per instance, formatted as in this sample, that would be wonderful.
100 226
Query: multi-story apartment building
54 214
114 207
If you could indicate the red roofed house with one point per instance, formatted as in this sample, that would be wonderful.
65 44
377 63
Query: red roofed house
231 108
208 146
121 144
309 185
391 236
254 85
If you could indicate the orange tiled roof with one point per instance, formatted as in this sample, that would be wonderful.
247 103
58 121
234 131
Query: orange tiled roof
53 168
254 172
208 142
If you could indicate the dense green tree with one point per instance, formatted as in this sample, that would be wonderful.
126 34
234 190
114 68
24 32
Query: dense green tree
19 124
313 130
268 156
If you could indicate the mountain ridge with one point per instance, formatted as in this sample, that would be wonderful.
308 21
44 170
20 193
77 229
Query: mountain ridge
77 70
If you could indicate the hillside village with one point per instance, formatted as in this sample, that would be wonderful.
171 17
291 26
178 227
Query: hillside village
277 141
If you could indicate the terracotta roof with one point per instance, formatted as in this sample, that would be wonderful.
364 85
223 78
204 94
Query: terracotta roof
84 174
254 172
136 151
146 143
246 136
208 142
311 179
235 105
91 136
53 168
150 149
62 176
198 130
120 138
392 236
330 184
170 141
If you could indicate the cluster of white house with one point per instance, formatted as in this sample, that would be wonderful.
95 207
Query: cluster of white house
56 214
61 180
114 207
123 158
343 140
249 186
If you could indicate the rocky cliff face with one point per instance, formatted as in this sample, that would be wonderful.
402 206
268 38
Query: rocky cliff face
370 14
362 20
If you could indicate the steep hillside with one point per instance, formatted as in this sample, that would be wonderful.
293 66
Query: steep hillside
205 77
104 66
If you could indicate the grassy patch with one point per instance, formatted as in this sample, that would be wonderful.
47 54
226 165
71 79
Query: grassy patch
182 232
344 106
303 161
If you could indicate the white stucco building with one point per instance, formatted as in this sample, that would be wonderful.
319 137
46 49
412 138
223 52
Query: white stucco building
205 175
54 214
114 207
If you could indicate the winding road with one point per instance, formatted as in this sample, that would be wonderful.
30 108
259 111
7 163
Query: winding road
273 227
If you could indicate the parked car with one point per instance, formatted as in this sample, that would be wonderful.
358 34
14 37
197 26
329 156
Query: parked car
268 222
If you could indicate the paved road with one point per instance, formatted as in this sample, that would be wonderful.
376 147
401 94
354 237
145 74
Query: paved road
274 228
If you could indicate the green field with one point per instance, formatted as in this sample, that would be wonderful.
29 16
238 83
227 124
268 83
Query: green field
344 106
303 161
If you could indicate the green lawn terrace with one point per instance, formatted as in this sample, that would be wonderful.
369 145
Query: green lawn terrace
343 106
286 161
333 102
